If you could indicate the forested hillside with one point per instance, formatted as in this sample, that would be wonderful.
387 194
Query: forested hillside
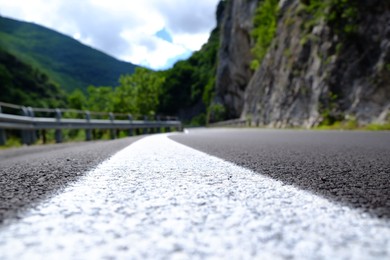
23 84
66 61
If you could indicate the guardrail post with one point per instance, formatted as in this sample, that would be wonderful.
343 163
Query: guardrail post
112 130
43 136
3 137
130 133
179 128
152 128
167 129
58 133
33 133
145 130
159 127
88 131
26 137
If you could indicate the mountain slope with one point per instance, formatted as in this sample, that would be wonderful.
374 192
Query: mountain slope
25 85
65 60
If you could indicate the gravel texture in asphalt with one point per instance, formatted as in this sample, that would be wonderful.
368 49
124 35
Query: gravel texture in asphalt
352 168
158 199
31 174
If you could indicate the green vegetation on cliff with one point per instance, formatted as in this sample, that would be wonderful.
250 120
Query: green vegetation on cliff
341 15
264 29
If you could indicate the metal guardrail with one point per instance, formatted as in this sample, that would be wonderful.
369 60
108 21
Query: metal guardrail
29 124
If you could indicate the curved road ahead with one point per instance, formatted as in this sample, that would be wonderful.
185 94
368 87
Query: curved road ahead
209 193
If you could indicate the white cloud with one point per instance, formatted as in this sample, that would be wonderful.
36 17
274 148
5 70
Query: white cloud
191 41
124 29
151 51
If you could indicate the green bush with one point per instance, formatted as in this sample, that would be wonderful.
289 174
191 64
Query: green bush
199 120
265 22
217 113
341 15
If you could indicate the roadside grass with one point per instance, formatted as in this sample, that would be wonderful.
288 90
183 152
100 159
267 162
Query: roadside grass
378 127
353 125
12 142
69 136
348 125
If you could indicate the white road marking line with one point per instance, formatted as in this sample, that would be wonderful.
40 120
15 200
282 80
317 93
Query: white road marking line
160 199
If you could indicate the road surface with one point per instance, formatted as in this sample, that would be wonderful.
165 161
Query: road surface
352 168
159 199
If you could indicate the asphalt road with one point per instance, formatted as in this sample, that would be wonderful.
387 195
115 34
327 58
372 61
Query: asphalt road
352 168
29 175
300 195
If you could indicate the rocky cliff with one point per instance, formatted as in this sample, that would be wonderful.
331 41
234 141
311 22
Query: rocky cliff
329 61
234 57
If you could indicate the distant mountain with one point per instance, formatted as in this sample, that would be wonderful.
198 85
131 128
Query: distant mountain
66 61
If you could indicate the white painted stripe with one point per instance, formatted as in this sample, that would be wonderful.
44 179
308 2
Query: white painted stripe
159 199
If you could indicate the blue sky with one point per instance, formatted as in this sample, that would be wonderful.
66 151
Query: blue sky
164 34
150 33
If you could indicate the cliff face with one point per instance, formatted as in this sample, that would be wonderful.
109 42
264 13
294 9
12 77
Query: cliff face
325 68
234 57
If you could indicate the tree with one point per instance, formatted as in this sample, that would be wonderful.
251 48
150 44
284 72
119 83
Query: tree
77 100
100 99
139 93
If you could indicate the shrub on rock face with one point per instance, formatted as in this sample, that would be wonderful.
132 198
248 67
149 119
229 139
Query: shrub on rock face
264 28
